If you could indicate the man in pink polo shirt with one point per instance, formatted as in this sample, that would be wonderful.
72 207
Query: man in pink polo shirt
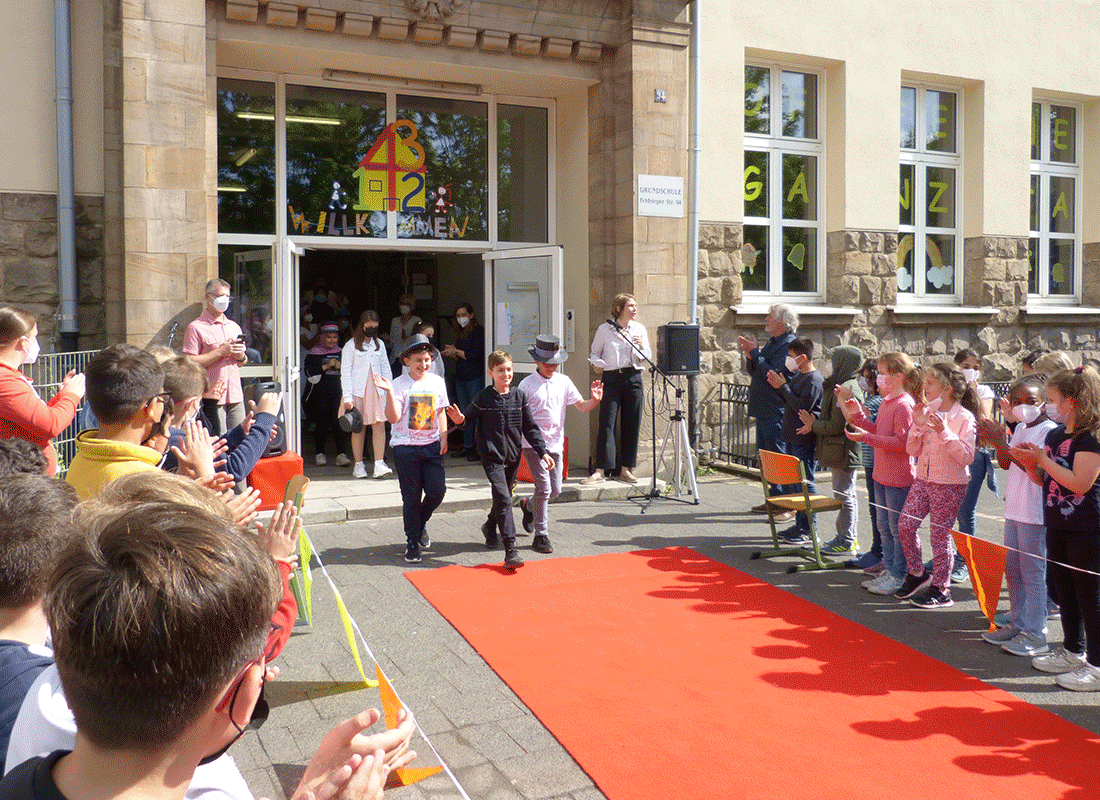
217 343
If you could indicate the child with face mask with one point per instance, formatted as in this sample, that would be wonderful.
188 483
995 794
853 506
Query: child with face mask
1025 531
803 392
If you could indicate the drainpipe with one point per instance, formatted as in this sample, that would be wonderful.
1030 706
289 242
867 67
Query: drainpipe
693 243
66 201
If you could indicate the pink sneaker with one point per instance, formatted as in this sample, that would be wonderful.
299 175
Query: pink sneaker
874 569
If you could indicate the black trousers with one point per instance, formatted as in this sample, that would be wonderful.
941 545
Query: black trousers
502 477
1078 591
623 394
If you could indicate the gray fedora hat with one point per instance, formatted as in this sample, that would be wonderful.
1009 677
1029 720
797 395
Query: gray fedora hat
419 341
547 350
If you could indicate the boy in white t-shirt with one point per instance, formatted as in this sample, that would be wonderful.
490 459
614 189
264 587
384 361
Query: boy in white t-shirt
1025 531
416 406
548 393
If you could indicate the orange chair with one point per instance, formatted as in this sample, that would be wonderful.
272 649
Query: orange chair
785 470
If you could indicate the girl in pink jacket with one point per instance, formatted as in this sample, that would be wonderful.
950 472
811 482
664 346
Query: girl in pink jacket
942 441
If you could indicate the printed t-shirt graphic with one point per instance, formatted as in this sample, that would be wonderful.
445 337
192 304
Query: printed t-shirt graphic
421 412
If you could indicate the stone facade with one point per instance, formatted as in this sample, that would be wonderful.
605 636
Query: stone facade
861 310
29 263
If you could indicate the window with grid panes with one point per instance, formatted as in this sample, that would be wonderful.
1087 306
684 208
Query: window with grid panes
1054 247
783 231
929 219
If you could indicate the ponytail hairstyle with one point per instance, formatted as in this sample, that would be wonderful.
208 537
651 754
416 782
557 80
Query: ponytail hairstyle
950 375
1083 385
914 383
359 336
14 325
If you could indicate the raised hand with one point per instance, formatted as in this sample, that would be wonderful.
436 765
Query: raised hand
455 415
597 391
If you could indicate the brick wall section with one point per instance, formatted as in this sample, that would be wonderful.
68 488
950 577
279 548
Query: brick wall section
29 262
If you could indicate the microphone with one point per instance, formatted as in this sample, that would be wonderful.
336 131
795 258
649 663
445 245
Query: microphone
614 324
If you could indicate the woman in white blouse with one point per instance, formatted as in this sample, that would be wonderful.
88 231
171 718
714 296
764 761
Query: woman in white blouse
363 357
620 368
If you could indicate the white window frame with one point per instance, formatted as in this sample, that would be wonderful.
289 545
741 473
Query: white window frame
1045 169
776 146
920 158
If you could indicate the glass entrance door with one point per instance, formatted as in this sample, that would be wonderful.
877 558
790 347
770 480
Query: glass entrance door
286 350
523 298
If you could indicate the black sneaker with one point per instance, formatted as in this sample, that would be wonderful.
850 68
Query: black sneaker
541 544
472 455
412 554
913 584
425 540
461 452
793 536
528 515
490 533
512 559
932 597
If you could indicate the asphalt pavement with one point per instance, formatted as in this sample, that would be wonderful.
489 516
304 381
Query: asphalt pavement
495 746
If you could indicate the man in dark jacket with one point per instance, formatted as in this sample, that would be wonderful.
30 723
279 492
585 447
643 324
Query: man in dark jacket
780 324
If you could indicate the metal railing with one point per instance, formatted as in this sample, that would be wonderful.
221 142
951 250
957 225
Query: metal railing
46 375
737 430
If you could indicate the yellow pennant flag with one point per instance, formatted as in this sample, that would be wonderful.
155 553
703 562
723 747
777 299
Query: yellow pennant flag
345 617
305 554
986 563
405 776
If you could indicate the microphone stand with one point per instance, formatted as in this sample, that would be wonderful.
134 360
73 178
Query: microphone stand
677 419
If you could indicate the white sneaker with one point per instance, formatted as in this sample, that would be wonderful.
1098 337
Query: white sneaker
342 460
381 470
359 470
889 585
875 581
1059 660
1085 678
320 459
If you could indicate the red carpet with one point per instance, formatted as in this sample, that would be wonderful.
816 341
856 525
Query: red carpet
668 675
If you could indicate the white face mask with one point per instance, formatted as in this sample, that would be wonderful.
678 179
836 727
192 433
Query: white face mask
971 375
1026 414
33 350
406 309
1054 414
220 303
791 364
862 382
462 321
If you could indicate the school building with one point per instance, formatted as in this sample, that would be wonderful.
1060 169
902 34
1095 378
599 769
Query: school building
910 176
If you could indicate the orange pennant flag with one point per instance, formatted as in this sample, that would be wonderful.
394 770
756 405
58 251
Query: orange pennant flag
986 563
404 776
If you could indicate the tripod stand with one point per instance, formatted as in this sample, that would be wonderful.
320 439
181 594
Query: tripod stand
677 425
682 455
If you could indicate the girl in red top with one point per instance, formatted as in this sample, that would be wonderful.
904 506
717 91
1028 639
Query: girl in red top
22 412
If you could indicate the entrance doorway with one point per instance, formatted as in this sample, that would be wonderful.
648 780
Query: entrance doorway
354 281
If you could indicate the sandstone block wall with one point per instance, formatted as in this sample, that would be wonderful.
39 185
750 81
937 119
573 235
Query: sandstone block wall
861 297
29 263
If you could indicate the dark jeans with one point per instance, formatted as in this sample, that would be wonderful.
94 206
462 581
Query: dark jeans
423 484
981 471
502 477
805 454
466 390
876 537
767 438
322 412
622 397
1079 591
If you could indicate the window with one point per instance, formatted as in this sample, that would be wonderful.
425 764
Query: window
928 241
783 231
246 156
1054 248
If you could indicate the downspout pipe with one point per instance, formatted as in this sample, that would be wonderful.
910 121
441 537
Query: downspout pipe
693 244
66 192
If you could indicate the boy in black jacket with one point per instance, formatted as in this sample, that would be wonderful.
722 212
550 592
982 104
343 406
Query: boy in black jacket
505 418
803 392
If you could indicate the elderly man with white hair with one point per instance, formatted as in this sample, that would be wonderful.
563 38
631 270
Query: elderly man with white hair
780 324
